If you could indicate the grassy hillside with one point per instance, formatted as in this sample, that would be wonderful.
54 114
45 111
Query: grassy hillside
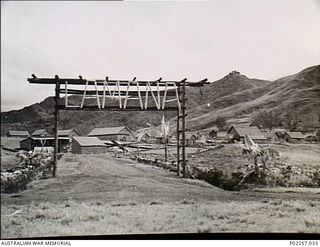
299 93
234 97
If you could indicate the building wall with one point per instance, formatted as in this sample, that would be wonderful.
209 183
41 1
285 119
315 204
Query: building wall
274 139
234 134
213 134
78 149
64 145
44 134
118 137
30 144
145 138
26 144
160 140
75 148
191 142
261 141
124 135
93 150
126 132
17 136
72 134
287 138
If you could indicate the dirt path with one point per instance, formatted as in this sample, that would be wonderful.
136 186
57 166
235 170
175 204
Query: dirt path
110 180
99 194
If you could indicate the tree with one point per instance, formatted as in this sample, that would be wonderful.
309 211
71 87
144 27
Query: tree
266 120
290 120
221 123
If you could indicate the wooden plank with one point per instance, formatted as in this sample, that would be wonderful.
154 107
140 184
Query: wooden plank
84 95
72 81
66 93
115 108
127 96
170 92
97 95
139 94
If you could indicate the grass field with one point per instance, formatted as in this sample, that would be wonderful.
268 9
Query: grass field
98 218
294 165
98 194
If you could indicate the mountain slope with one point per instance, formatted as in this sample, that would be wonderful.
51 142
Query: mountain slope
299 92
235 97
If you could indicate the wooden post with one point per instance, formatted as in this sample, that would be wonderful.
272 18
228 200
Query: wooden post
184 170
178 135
56 116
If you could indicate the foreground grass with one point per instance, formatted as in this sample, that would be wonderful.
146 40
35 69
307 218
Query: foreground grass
73 218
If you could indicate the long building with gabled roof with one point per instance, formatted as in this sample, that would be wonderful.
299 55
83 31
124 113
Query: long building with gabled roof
18 133
238 133
88 145
121 133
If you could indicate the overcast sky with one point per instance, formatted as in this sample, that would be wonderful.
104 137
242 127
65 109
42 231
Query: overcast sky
173 40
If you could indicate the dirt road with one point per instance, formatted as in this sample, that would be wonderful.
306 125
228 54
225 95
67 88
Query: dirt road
99 194
86 177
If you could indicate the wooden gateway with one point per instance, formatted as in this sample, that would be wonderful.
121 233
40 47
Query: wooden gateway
123 95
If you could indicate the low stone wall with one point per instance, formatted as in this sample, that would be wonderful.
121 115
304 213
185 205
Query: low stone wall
171 166
15 180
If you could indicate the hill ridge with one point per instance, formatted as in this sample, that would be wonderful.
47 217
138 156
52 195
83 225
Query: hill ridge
234 96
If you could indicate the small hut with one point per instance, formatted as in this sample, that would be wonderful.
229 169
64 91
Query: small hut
294 137
191 139
213 133
272 137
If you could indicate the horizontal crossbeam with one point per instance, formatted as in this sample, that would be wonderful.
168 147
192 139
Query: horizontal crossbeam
170 92
114 108
81 81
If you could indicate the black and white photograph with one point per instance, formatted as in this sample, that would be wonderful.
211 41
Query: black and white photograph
160 119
